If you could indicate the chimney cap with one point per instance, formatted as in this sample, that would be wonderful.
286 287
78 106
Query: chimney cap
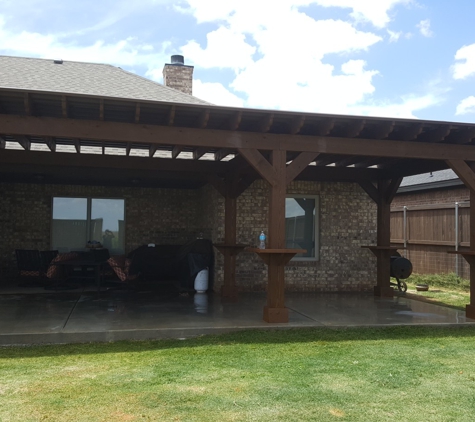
178 60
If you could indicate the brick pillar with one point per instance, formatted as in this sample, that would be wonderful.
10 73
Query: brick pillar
178 76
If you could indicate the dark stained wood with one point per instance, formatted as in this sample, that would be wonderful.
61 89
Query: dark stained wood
370 189
463 136
130 132
383 130
299 164
128 148
266 123
199 152
77 145
220 154
27 103
64 106
101 109
137 113
24 142
260 164
51 144
3 143
218 184
176 151
435 135
464 172
203 119
171 115
391 190
354 128
408 133
152 150
325 127
296 125
235 121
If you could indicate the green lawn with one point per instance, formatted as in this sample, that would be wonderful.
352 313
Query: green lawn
444 289
393 374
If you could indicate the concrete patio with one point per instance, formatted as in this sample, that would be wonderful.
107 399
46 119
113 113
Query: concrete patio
36 316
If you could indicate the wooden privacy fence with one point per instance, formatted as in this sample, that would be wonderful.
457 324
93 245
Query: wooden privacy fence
428 232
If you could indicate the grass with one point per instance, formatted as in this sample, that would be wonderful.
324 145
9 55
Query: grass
444 289
396 373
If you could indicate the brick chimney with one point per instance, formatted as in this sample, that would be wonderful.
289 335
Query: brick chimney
178 76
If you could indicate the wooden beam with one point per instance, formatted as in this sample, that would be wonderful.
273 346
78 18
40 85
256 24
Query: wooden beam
464 172
260 164
27 103
235 121
64 106
199 152
50 143
3 143
370 189
171 116
176 151
392 188
137 112
327 159
325 127
151 134
128 148
24 142
297 124
383 129
203 119
220 154
299 164
347 161
266 123
436 135
218 183
354 128
463 136
408 133
152 150
77 145
101 109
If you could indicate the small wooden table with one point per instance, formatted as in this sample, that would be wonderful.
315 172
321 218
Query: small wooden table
276 260
230 251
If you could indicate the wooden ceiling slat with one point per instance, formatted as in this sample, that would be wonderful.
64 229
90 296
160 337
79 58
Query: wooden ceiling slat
152 150
50 143
199 152
3 143
463 136
220 154
324 127
77 145
203 119
137 112
435 135
27 103
64 106
408 133
101 109
171 115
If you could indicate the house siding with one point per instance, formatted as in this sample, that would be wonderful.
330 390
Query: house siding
347 220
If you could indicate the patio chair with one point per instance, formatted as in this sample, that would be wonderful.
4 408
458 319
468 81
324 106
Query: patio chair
30 268
46 259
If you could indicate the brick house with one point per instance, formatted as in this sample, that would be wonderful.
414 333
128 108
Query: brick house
105 149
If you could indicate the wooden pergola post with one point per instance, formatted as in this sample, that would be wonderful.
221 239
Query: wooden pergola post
231 188
466 172
276 256
383 195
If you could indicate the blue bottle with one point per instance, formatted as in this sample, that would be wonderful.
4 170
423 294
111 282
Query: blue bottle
262 240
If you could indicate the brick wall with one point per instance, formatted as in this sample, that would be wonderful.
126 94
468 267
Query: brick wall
347 220
439 196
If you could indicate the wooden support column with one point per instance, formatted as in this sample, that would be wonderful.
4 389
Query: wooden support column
278 175
383 195
231 188
466 172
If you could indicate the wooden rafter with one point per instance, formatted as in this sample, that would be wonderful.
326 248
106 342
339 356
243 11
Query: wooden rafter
77 145
152 150
101 109
370 189
128 148
464 172
435 135
327 159
199 152
221 153
266 122
347 161
325 127
392 189
299 164
383 130
260 164
297 124
203 119
27 103
408 133
137 112
50 143
217 139
64 106
463 136
235 120
176 151
171 115
3 143
24 142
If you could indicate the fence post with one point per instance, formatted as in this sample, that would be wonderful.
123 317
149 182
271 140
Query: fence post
457 238
404 229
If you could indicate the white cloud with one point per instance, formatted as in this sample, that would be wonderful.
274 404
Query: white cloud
226 48
424 28
216 93
466 106
394 36
466 65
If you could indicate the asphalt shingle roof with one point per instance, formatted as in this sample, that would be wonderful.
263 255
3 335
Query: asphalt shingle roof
84 78
429 178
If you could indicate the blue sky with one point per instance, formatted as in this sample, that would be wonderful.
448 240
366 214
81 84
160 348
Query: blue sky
395 58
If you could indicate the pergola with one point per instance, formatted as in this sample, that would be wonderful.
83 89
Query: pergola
229 148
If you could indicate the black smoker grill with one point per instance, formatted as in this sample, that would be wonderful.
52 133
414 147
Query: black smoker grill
401 268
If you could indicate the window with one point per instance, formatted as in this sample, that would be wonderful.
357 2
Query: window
78 220
301 225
